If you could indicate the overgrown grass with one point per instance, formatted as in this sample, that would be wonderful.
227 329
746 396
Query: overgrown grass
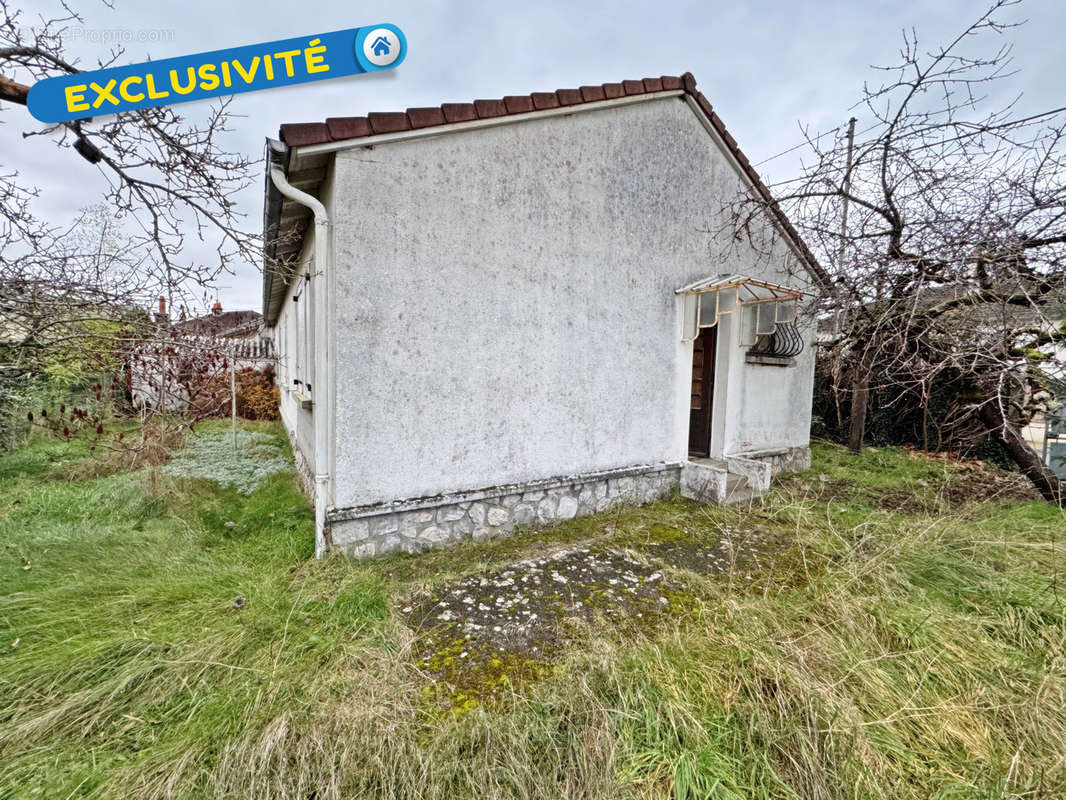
175 639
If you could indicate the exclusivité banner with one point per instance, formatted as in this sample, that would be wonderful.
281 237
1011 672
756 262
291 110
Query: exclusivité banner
218 73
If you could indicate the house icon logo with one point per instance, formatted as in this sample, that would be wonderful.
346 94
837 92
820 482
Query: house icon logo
381 47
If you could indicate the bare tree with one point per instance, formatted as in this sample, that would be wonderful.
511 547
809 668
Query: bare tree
166 178
82 293
944 232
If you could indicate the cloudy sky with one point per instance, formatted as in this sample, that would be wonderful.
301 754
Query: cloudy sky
766 65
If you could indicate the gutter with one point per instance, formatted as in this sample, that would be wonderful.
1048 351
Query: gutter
322 312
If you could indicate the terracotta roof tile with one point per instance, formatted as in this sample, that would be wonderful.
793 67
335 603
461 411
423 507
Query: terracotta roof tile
388 121
590 94
301 134
671 83
486 109
458 112
569 97
613 90
347 127
704 104
518 103
542 100
633 87
653 84
425 117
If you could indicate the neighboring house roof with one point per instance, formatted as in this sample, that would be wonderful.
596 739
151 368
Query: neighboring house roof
344 129
224 324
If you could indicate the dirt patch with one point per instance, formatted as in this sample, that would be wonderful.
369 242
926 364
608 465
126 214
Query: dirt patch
981 484
970 482
489 630
741 551
485 633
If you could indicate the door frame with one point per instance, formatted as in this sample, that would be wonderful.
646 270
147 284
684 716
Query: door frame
701 420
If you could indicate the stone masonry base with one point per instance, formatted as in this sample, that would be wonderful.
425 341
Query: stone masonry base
416 525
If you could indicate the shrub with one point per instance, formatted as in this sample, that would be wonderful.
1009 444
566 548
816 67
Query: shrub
257 396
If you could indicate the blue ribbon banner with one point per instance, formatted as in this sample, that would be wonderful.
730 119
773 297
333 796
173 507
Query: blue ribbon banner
218 73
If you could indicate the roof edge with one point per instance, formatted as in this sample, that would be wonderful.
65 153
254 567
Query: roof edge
338 133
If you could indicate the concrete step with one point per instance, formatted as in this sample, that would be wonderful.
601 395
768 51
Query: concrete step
740 497
734 482
737 490
708 481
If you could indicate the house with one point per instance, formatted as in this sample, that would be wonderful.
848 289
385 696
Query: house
509 312
164 367
237 332
381 46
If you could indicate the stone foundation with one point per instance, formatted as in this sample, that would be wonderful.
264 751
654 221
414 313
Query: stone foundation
412 526
305 472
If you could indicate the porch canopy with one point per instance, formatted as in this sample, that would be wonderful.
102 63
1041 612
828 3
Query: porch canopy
763 305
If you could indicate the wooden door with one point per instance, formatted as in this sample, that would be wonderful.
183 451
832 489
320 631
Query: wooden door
704 349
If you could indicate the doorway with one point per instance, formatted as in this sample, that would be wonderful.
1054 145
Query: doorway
704 349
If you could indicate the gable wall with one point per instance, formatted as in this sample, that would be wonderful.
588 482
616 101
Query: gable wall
506 312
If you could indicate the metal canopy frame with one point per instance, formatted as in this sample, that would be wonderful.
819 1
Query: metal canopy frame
730 294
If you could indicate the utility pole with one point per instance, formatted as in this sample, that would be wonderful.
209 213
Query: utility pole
846 190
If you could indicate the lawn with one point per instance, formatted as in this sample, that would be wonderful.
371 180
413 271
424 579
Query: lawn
883 626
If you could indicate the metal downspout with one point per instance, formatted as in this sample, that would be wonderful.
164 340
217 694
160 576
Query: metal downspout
323 381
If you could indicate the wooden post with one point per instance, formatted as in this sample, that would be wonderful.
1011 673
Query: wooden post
233 390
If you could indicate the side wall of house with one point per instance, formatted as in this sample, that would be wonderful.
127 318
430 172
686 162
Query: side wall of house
506 310
298 421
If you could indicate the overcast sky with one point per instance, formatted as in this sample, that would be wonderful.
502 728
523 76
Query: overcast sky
766 66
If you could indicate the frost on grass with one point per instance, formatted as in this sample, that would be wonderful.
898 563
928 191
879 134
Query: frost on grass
214 457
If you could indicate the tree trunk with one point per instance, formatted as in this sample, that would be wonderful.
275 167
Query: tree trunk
1028 462
860 398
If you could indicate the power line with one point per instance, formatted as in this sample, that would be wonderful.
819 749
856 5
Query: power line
806 142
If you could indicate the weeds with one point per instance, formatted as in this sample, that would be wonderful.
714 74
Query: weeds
918 655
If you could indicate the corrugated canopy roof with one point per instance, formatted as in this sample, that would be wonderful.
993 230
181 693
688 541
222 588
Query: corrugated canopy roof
748 289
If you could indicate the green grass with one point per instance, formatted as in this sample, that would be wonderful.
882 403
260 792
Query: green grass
914 655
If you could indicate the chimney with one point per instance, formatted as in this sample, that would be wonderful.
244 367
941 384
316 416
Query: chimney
216 309
161 317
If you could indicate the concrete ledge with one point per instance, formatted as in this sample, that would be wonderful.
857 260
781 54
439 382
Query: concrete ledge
418 524
769 361
781 459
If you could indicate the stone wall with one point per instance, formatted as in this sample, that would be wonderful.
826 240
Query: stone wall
426 523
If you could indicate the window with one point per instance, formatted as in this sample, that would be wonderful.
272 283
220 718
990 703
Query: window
300 342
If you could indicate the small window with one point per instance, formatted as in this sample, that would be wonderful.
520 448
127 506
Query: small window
299 339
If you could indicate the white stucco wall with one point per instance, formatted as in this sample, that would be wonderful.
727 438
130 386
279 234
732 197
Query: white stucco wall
297 421
506 310
760 407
